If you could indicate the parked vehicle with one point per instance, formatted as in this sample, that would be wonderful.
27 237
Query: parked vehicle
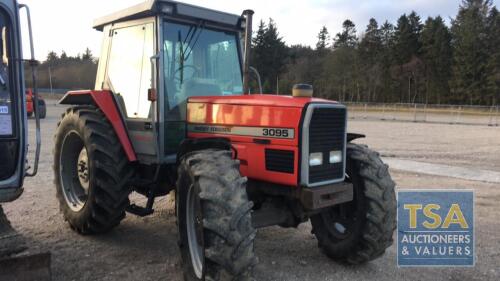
171 111
14 105
30 108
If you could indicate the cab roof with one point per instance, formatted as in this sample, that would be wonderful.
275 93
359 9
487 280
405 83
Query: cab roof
156 7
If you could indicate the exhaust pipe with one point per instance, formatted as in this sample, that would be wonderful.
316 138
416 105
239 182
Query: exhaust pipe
248 14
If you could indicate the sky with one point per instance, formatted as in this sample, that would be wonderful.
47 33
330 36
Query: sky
67 24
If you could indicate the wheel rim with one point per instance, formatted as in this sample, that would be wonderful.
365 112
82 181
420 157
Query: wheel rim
195 232
74 171
83 169
340 219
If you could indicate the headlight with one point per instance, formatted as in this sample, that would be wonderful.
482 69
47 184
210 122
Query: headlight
335 156
316 159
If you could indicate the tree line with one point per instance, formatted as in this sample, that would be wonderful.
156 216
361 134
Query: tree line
65 72
409 61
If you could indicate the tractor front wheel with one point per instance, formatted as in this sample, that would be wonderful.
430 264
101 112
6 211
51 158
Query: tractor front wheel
359 231
91 171
213 217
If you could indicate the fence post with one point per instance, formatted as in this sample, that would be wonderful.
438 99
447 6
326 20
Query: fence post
415 113
457 120
366 108
383 112
452 112
425 113
496 118
490 122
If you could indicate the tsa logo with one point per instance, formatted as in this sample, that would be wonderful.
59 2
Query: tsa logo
435 228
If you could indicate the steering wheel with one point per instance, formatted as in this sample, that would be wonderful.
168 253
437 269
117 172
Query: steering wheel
195 68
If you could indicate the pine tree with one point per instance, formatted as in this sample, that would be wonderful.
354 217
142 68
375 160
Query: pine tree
371 43
493 65
406 43
259 55
323 39
52 57
369 50
348 37
437 56
342 65
470 51
387 59
269 54
416 27
64 56
87 55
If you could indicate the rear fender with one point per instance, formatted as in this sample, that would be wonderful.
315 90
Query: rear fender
105 101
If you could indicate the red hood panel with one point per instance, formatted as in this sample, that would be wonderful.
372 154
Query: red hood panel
254 124
259 100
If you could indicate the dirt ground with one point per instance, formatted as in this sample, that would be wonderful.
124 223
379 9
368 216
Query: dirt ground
146 249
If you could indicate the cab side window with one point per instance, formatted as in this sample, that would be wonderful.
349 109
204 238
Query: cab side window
129 67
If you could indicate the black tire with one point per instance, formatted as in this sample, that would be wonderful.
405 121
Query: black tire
108 171
5 226
359 231
224 230
42 106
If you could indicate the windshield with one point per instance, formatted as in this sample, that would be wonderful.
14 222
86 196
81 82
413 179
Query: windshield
199 62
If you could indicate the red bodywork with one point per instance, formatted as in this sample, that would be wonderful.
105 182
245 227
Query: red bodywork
267 111
104 100
255 111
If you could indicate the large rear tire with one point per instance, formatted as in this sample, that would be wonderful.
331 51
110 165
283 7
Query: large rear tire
91 171
359 231
214 220
42 106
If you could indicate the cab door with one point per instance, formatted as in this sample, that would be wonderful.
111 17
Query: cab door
129 77
13 122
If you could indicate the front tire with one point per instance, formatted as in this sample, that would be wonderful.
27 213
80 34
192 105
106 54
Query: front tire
359 231
213 217
91 171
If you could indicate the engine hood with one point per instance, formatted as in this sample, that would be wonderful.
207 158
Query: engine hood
259 100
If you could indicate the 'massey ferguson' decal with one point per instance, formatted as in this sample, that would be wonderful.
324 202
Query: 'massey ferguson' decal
281 133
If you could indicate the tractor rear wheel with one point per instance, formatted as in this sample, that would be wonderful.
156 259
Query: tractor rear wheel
359 231
213 217
42 106
91 171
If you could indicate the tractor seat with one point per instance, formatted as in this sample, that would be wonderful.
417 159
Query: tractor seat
199 87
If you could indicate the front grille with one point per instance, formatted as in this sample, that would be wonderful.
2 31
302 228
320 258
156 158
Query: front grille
280 161
327 131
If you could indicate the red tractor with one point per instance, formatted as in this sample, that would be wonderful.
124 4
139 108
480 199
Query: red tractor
30 106
172 112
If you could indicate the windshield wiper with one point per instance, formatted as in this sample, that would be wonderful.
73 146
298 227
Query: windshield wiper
201 27
189 47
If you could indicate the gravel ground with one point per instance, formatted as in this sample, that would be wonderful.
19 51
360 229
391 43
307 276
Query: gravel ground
145 248
457 145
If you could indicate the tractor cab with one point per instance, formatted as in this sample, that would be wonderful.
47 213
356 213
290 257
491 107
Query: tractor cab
158 54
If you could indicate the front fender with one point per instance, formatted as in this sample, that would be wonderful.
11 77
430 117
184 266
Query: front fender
353 136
